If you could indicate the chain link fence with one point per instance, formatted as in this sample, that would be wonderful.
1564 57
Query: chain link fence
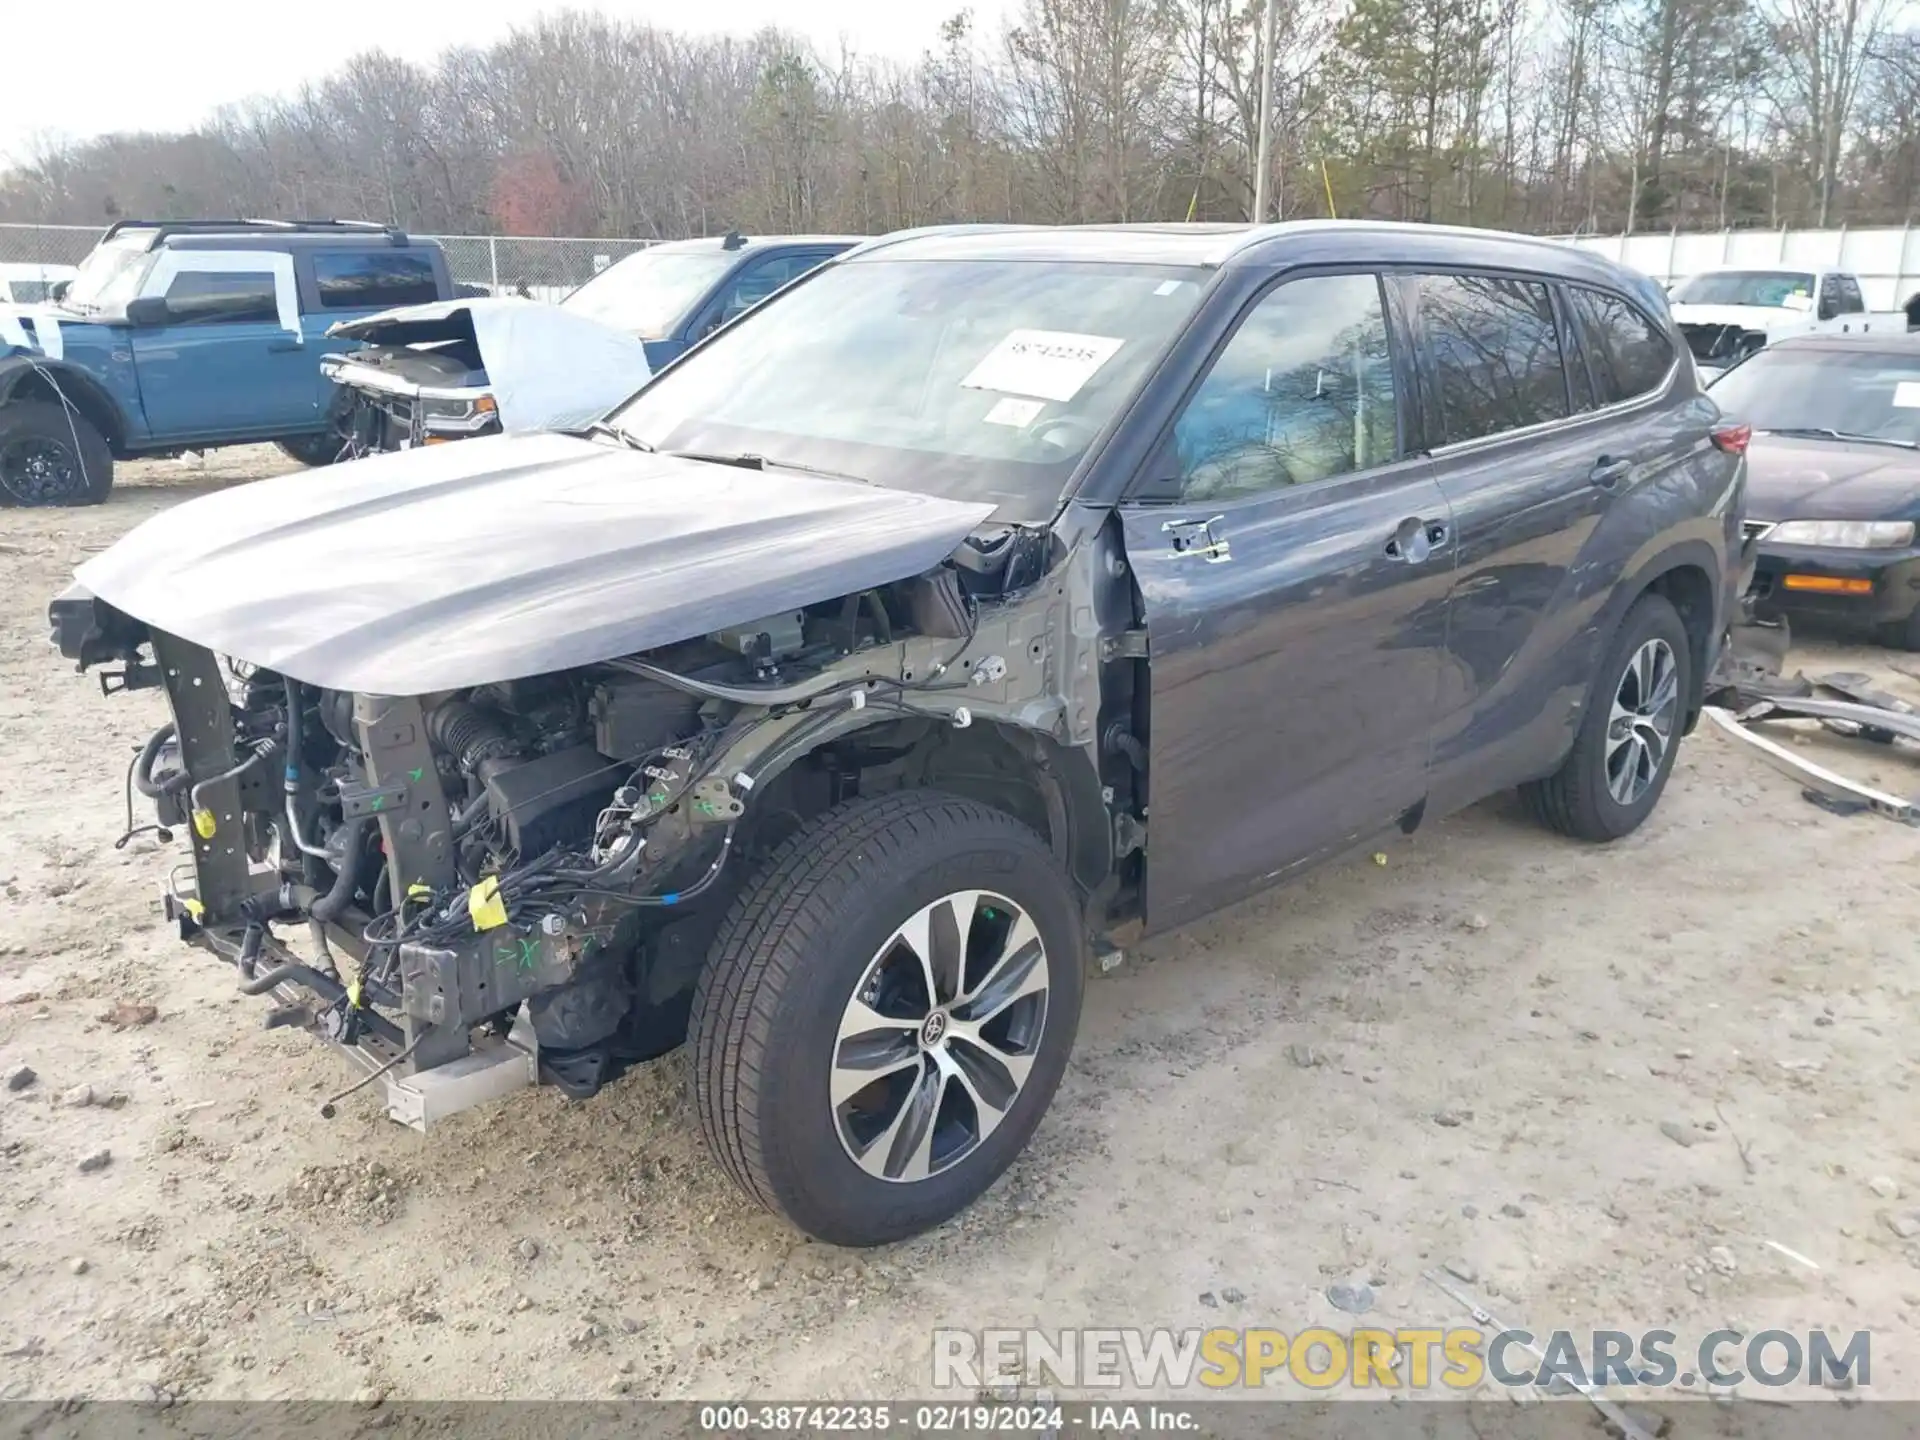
538 267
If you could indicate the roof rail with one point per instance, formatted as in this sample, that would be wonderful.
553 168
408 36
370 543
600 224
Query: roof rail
164 228
895 237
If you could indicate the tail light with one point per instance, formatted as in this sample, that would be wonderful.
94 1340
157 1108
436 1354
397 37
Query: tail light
1732 439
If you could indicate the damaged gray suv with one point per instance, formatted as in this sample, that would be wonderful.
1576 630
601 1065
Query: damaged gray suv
982 602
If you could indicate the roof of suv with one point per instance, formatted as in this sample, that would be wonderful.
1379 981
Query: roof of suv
1225 244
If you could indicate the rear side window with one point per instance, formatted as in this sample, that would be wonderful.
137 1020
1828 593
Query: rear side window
1628 354
1494 353
213 297
373 280
1852 302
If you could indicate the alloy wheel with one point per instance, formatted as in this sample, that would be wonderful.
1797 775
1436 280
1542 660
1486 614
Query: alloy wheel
937 1040
38 471
1640 726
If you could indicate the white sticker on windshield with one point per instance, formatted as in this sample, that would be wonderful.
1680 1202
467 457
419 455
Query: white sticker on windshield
1050 364
1166 287
1799 300
1906 395
1011 410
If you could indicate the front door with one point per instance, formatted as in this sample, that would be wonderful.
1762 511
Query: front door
231 362
1293 566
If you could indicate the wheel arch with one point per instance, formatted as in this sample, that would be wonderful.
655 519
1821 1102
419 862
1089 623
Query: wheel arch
1683 575
36 378
1050 787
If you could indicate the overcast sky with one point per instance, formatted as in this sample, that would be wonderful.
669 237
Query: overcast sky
94 66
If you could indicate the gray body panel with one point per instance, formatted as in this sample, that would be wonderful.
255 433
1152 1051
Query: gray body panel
509 556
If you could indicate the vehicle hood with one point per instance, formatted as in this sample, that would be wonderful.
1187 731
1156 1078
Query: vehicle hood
39 330
512 555
1746 317
547 368
1792 479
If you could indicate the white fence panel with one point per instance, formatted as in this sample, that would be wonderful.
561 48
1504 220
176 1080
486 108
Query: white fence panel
1886 260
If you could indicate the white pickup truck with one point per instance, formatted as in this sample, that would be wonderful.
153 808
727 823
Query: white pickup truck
1726 315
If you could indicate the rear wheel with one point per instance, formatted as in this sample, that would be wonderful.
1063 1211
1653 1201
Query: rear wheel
1625 747
51 455
886 1014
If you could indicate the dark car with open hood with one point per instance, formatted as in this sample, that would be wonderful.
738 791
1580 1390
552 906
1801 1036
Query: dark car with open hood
1834 482
986 600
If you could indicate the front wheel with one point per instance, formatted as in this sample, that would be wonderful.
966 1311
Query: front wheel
314 451
1901 634
886 1014
51 455
1625 747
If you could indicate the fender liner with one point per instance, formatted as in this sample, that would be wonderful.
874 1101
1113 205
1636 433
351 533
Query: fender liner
85 393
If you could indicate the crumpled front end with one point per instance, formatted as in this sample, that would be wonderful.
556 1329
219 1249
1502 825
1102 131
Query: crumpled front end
509 837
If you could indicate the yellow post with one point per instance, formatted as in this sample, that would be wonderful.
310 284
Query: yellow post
1327 180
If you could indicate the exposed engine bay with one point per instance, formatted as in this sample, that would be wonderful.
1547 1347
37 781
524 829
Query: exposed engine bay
570 840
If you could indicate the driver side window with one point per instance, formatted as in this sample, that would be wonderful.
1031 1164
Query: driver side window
1302 392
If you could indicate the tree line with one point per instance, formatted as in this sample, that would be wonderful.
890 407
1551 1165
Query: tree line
1552 116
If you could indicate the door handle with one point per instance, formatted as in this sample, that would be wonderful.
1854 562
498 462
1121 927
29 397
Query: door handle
1416 539
1608 472
281 347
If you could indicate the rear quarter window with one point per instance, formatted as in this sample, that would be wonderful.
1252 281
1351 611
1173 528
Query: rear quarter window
1627 352
373 280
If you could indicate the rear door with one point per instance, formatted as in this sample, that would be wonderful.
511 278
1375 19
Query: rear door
1293 564
1538 427
230 363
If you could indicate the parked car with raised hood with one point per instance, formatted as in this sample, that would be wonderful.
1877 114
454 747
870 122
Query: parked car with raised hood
986 599
188 334
464 368
451 372
1728 314
1834 478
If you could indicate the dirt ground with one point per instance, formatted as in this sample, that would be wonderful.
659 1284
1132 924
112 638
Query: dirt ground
1466 1054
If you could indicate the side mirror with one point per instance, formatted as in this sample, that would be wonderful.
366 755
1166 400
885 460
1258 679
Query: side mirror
148 311
57 291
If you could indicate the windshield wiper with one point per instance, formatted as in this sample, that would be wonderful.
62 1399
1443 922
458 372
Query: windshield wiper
614 432
1822 432
749 460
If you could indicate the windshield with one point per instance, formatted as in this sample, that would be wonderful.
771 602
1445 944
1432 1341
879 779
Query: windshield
110 275
1771 289
1864 394
973 380
647 294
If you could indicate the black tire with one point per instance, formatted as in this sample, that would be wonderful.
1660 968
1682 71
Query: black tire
809 929
1901 634
314 451
1576 799
50 455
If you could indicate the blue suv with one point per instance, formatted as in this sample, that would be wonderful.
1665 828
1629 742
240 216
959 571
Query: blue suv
184 335
674 294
